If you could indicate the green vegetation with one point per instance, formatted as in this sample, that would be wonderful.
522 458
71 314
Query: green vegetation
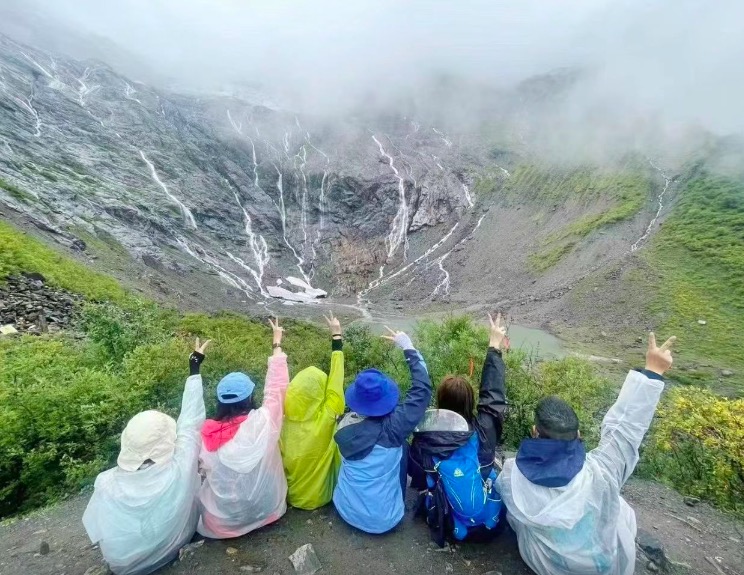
699 254
64 399
15 192
698 446
548 257
625 190
20 252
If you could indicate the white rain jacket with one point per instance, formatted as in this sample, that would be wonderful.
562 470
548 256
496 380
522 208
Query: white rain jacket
142 518
586 527
245 486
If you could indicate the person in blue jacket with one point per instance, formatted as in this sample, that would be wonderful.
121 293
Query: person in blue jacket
372 440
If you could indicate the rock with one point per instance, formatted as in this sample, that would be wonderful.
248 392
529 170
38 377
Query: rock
652 547
702 322
250 569
8 330
653 567
44 548
190 549
493 573
603 334
448 568
97 570
726 373
691 501
305 561
231 551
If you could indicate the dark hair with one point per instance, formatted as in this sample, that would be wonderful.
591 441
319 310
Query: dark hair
456 394
556 419
228 411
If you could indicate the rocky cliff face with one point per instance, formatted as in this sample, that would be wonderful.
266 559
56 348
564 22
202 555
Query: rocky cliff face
274 204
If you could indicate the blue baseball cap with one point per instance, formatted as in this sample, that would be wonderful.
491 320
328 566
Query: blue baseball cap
372 394
235 387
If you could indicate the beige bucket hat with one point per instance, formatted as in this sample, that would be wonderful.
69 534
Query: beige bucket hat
148 435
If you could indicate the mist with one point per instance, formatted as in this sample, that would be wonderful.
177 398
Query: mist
648 71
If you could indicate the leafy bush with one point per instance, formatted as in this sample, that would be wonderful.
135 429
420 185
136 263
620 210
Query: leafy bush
697 446
64 401
457 346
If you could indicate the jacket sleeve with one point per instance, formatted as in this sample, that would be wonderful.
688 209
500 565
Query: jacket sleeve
190 421
335 401
277 381
406 416
492 398
626 423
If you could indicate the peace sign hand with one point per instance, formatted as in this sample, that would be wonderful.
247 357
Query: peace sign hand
197 356
659 359
498 331
333 324
201 347
400 338
278 331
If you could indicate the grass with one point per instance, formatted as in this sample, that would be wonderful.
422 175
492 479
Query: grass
699 254
626 188
16 192
23 253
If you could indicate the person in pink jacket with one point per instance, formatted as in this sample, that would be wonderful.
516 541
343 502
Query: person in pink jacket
244 486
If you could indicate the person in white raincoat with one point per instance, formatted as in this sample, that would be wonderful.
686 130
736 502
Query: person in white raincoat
565 504
144 510
245 487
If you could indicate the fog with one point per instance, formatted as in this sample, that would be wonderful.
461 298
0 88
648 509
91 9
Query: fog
669 67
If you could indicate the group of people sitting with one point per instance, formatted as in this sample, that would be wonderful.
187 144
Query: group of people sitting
230 475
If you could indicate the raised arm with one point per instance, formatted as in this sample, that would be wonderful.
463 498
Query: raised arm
628 419
277 379
192 416
492 396
407 416
335 401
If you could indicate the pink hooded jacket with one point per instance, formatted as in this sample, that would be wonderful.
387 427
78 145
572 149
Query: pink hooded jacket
245 487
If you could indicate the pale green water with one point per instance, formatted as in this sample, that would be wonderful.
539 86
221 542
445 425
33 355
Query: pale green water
536 341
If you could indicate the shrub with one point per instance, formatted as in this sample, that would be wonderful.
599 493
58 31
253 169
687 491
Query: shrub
697 446
64 401
453 345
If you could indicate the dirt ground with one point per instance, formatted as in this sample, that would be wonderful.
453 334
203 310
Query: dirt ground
689 535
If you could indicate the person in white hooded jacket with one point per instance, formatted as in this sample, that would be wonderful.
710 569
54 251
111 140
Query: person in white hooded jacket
145 509
244 486
565 504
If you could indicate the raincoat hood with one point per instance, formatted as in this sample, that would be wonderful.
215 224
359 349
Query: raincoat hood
306 394
215 434
550 462
440 444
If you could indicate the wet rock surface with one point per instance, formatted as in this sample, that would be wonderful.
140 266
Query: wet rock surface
31 306
247 193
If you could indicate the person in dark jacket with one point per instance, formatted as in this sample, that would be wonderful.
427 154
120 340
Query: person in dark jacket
373 443
484 420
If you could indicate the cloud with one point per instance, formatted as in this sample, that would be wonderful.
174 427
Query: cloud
670 64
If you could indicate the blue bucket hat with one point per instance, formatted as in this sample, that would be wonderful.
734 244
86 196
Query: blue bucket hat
372 394
234 387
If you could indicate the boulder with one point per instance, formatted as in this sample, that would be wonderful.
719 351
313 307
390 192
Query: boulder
652 548
305 561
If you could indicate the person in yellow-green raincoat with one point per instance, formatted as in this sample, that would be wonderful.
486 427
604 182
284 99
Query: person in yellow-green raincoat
313 403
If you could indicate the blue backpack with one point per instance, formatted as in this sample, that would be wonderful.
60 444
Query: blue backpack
471 500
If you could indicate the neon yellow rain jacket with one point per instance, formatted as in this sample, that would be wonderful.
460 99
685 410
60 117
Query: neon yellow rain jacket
311 457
